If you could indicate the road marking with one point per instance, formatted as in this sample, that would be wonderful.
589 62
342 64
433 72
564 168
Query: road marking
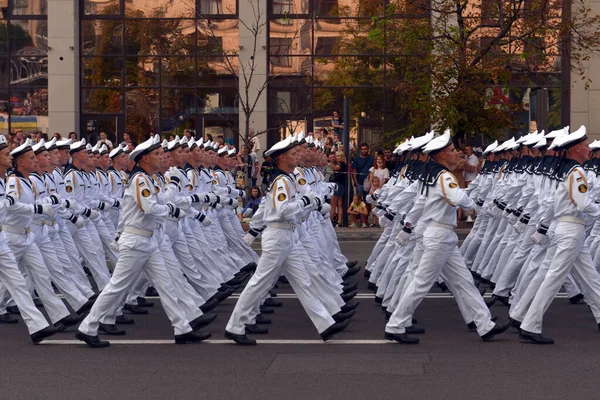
224 341
371 296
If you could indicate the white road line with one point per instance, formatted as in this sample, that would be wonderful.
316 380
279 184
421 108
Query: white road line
371 296
273 341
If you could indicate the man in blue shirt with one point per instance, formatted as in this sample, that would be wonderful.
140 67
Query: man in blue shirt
360 169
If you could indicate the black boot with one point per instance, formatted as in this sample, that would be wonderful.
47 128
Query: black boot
202 321
402 338
193 337
111 329
334 329
92 341
45 333
242 340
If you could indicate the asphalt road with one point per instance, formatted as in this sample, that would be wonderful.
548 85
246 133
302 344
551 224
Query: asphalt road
450 362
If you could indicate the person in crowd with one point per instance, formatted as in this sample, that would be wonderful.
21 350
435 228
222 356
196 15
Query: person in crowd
266 169
357 212
252 204
471 165
253 169
73 136
375 184
337 123
379 170
329 146
327 170
390 161
104 139
340 169
361 168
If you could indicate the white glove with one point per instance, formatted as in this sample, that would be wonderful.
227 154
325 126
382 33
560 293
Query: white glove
78 221
403 238
384 222
45 209
174 172
94 214
540 238
183 202
325 209
114 245
212 198
519 227
512 219
249 239
206 221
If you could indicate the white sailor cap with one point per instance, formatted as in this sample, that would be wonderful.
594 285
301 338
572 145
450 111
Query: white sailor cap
232 152
116 151
595 145
490 148
22 149
165 144
556 133
39 147
96 148
200 142
438 144
310 141
421 141
173 144
222 151
528 136
301 137
51 145
183 141
144 148
89 148
280 147
404 147
506 145
532 139
215 146
574 138
3 142
64 144
207 145
103 149
77 146
542 142
192 143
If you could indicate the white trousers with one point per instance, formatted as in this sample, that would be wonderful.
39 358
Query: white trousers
571 254
93 258
509 274
440 255
280 254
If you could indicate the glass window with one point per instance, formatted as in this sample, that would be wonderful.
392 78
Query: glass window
4 75
178 71
102 37
106 7
290 100
102 71
280 49
32 71
295 68
29 7
222 100
160 36
178 110
298 33
29 102
159 9
216 7
216 71
141 112
218 37
4 108
102 101
28 37
142 71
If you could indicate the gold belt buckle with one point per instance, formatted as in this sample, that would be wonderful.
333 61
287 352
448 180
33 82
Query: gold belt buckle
293 226
26 230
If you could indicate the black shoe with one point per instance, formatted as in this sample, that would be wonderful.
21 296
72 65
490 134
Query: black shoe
414 321
414 330
8 319
401 338
59 327
491 301
151 292
111 329
202 321
442 286
221 296
272 293
86 307
13 310
135 309
71 320
38 303
266 310
240 339
334 329
515 324
536 338
576 299
250 267
378 299
142 302
224 287
351 264
372 287
350 272
94 296
123 320
237 280
341 316
496 330
388 315
349 306
38 336
283 279
367 274
92 341
272 303
471 326
260 319
349 296
349 289
350 285
256 330
210 305
192 336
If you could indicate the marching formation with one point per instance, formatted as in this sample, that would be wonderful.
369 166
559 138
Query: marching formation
537 202
102 228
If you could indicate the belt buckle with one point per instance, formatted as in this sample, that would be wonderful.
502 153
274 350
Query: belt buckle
26 230
293 227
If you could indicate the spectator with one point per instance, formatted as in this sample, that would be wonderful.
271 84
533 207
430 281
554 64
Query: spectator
357 212
252 204
73 136
327 170
361 168
188 134
337 123
340 169
321 133
253 167
375 185
390 162
471 166
127 138
266 169
328 146
221 140
379 170
104 139
57 136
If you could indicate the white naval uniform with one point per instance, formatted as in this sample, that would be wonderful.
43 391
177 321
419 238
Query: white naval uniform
436 212
138 250
281 253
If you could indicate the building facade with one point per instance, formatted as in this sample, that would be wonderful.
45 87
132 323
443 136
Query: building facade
164 66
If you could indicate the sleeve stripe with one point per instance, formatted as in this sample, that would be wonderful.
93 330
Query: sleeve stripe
137 194
444 190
